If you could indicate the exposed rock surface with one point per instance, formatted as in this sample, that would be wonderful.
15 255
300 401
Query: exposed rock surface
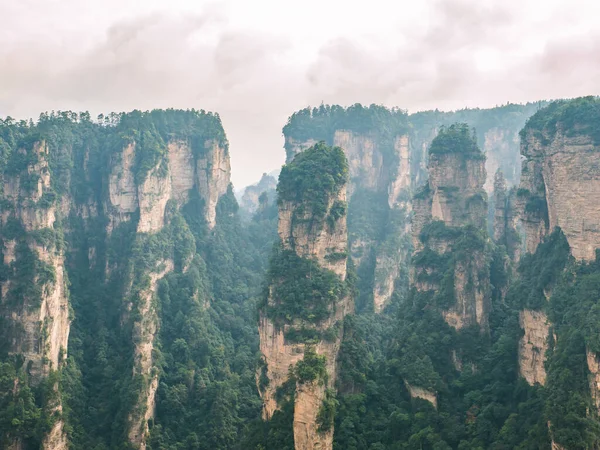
560 187
41 324
471 291
48 187
533 346
213 172
454 195
144 334
497 134
310 239
593 363
417 392
208 173
372 170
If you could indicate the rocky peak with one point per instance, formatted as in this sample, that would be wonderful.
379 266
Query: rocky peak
251 196
297 331
560 183
375 142
449 220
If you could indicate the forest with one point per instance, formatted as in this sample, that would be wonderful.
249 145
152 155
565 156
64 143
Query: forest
195 292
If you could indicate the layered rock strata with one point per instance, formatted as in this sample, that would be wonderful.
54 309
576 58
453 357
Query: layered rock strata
560 187
379 167
35 304
450 207
325 242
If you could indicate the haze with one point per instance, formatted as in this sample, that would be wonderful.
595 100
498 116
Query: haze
257 62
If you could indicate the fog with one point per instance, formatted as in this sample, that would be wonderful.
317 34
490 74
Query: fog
257 62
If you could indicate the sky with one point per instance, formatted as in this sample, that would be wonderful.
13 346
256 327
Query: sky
256 62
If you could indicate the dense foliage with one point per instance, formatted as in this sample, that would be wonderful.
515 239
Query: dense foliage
301 289
320 124
456 138
573 117
312 179
206 349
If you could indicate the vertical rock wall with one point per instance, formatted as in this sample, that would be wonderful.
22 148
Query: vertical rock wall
372 170
454 196
309 237
560 187
69 184
533 346
40 325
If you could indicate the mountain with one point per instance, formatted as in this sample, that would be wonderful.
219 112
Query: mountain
422 281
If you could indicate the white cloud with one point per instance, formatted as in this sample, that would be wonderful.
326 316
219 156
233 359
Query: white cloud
257 62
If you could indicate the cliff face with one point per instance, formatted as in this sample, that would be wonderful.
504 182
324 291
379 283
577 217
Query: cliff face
497 132
251 198
144 336
94 190
34 299
450 207
291 338
176 177
560 188
593 363
376 144
533 346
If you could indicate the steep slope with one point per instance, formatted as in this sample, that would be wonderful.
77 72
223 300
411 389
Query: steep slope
375 142
96 217
308 296
561 175
497 130
449 224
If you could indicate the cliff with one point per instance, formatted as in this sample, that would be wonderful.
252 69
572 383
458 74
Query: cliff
497 131
76 196
251 198
34 298
301 321
449 226
533 346
375 142
561 176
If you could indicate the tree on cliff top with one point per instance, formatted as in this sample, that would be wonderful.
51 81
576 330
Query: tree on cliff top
313 177
457 138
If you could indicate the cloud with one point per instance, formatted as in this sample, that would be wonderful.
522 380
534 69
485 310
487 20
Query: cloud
256 64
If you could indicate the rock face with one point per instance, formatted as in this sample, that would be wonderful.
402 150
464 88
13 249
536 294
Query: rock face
315 238
57 193
36 304
497 134
144 334
451 203
173 179
593 363
560 186
251 196
533 346
417 392
505 226
381 179
208 174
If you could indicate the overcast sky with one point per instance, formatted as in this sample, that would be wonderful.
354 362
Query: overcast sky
257 61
